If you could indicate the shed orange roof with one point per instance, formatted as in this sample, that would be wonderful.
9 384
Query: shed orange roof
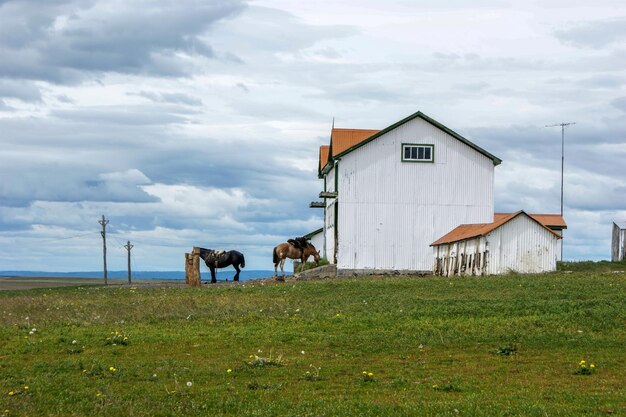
549 220
469 231
342 139
324 151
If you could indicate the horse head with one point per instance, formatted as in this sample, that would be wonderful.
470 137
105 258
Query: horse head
315 253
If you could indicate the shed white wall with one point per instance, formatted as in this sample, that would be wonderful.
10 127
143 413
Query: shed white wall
519 245
390 211
317 240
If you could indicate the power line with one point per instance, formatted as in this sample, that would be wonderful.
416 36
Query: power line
65 238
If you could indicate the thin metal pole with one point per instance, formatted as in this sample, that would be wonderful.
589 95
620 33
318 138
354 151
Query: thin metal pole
562 166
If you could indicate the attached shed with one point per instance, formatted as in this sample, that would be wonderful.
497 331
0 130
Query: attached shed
514 242
618 243
316 238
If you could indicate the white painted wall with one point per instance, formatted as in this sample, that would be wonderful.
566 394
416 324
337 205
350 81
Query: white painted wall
318 241
329 219
521 245
390 211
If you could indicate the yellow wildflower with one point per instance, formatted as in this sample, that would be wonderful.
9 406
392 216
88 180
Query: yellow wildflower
370 374
229 371
11 393
592 366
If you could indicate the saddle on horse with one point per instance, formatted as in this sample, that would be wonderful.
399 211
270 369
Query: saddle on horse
215 256
299 243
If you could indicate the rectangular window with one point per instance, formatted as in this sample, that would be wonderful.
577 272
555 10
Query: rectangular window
418 153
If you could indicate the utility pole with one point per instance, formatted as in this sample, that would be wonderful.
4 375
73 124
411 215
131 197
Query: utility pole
562 124
104 223
128 247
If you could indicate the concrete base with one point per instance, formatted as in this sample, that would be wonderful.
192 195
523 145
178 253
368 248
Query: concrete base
324 271
330 271
362 272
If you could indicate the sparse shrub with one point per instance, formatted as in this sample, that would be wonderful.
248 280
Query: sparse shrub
310 265
506 350
584 369
261 362
117 338
312 375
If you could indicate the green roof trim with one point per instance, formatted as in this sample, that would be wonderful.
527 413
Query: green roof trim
495 159
313 233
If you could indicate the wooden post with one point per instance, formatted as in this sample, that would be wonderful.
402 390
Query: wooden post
192 268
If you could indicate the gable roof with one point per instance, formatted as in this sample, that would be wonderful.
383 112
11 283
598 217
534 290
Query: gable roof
553 221
496 160
469 231
340 140
324 152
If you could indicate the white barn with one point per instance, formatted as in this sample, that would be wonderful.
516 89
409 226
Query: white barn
389 194
514 242
618 242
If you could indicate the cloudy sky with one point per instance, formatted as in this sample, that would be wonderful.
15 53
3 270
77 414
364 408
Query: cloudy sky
199 122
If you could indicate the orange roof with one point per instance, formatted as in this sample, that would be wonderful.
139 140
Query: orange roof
342 139
468 231
548 220
324 151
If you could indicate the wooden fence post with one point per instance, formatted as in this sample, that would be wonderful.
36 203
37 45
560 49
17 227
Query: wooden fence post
192 268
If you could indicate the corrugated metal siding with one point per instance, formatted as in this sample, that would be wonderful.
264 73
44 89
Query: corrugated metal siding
523 246
329 219
618 243
390 211
520 245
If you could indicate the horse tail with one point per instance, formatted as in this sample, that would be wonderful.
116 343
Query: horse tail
275 256
243 261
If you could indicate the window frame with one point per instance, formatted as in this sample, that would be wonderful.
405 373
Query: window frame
423 145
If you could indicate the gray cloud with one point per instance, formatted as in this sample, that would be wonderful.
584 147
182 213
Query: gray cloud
59 41
619 103
596 35
21 90
178 98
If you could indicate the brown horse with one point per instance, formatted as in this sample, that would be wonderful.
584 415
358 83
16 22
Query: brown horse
286 250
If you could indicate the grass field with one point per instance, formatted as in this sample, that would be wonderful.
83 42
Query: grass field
496 346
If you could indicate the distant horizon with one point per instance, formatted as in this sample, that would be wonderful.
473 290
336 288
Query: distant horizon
225 274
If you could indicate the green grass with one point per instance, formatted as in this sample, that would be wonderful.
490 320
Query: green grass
494 346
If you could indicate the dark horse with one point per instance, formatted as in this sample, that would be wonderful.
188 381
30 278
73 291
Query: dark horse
221 259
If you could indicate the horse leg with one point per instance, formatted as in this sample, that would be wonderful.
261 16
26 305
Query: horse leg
282 266
236 277
213 280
